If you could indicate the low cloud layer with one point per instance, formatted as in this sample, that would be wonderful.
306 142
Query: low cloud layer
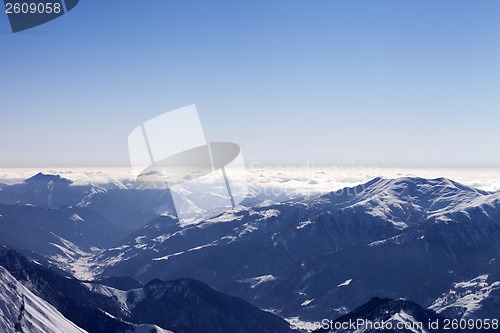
299 180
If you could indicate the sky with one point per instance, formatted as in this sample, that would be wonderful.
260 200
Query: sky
386 83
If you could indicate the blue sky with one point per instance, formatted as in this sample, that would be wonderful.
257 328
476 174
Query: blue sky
396 83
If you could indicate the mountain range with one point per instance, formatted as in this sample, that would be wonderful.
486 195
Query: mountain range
431 242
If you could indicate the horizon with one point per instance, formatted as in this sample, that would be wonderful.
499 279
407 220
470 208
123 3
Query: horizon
306 179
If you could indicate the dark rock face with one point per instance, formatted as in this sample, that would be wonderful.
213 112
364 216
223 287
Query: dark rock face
170 304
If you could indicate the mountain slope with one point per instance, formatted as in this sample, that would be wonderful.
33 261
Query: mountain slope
407 237
22 311
182 306
398 316
189 304
83 307
62 236
42 190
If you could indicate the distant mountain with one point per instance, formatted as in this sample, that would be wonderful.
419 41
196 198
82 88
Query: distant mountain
129 208
43 190
407 238
22 311
37 228
386 315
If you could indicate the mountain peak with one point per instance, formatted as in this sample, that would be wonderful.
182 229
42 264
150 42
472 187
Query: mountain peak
405 201
390 311
43 178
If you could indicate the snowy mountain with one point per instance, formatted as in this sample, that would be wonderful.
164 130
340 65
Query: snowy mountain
181 306
468 298
386 315
22 311
409 237
83 307
127 207
187 304
432 241
43 190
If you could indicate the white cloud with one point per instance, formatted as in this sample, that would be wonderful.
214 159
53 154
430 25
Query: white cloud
291 180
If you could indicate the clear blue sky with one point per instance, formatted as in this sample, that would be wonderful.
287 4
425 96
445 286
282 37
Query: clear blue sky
366 82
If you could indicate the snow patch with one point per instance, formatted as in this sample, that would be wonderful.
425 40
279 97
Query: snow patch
267 214
303 224
255 281
75 217
346 283
307 302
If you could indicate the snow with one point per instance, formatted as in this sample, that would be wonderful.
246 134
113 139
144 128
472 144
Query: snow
307 302
196 248
38 316
346 283
303 224
138 240
302 325
108 314
265 203
247 228
141 243
162 238
394 239
74 260
75 217
409 322
118 248
229 216
255 281
168 214
126 299
147 328
267 214
467 295
168 256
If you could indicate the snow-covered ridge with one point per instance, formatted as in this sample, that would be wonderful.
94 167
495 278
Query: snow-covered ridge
466 296
20 310
255 281
406 200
